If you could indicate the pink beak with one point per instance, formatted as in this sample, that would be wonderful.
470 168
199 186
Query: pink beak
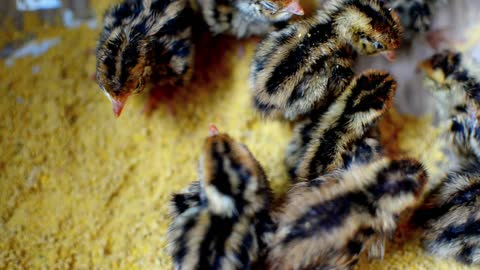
212 130
295 8
389 55
118 103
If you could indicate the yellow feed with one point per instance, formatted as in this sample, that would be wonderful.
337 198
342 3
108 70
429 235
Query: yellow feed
80 189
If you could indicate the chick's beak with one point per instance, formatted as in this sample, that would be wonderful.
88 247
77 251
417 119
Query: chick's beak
212 130
295 8
118 103
389 55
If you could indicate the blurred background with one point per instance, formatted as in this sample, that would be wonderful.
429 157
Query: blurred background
80 189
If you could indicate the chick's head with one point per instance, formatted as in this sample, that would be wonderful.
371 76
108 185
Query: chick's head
371 27
441 66
121 69
231 177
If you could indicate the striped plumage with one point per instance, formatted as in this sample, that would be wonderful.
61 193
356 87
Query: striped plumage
297 69
453 209
452 79
244 18
451 214
144 42
362 151
220 222
345 121
327 222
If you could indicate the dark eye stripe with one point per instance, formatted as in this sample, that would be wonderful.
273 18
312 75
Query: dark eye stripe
269 5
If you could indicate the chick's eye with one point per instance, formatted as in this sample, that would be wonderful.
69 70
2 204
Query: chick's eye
269 6
378 45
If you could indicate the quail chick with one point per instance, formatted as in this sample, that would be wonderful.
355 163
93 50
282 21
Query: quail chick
451 214
328 222
244 18
453 81
299 68
346 121
219 222
144 43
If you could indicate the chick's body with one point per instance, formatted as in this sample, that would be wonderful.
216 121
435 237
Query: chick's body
451 214
297 69
329 221
144 42
244 18
220 221
328 141
453 230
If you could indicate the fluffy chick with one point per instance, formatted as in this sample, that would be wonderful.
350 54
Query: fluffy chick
451 215
452 80
327 223
453 212
243 18
299 68
144 42
219 222
346 120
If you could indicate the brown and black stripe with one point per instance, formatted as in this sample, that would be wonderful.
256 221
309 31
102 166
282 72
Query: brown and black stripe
145 33
346 121
299 68
452 217
222 224
327 225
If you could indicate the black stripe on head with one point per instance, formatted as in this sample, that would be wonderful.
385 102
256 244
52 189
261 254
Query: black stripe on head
138 31
328 215
177 24
125 10
112 49
447 61
381 19
293 62
220 179
129 60
159 6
